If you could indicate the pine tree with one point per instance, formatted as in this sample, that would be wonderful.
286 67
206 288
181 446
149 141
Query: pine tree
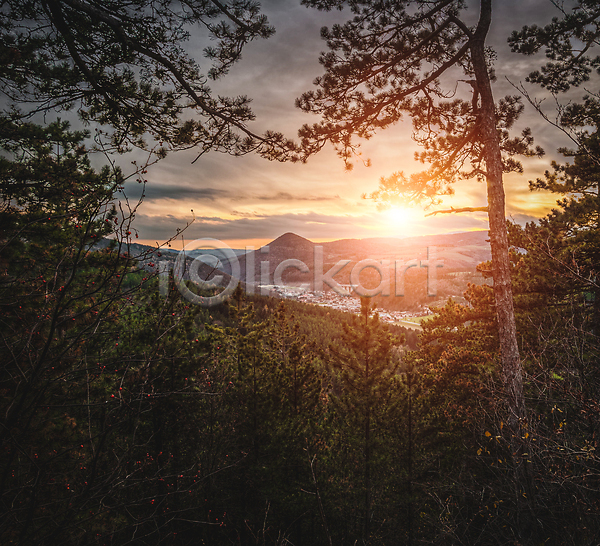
577 221
94 363
122 65
55 295
295 412
389 60
362 399
569 42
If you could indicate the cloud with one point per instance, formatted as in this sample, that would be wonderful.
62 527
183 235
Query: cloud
312 225
156 192
252 214
522 219
284 196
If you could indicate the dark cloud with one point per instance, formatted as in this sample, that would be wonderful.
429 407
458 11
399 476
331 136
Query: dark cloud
309 225
155 192
252 214
522 219
284 196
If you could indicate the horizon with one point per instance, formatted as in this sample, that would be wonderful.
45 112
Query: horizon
177 245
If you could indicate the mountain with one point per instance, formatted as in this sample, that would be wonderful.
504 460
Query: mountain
457 251
291 258
460 251
198 264
260 265
398 271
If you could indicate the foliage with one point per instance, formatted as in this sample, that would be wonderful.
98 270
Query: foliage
559 258
55 294
122 65
569 43
133 416
391 59
87 363
128 415
362 401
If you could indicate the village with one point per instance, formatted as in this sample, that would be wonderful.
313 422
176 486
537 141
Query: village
346 301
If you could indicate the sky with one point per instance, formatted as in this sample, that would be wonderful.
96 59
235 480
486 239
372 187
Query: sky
249 201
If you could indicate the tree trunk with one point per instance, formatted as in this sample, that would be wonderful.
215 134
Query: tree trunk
509 350
367 452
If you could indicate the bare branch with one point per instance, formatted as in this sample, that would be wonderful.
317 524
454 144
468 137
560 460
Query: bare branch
463 209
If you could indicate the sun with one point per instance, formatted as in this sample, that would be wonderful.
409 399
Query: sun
399 221
397 216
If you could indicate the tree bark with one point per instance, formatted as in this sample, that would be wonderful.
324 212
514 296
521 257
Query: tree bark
507 331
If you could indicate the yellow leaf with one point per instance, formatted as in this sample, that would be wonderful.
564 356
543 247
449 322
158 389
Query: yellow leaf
488 434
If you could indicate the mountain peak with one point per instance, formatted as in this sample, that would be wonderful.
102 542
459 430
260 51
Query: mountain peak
290 239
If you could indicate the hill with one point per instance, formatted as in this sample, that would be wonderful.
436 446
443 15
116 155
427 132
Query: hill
292 260
459 252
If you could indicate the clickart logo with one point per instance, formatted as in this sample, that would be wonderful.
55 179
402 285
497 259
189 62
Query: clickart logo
199 265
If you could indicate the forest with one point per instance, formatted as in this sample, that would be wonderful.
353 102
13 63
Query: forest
131 415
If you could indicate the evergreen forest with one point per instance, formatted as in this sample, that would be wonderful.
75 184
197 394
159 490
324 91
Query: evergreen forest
132 415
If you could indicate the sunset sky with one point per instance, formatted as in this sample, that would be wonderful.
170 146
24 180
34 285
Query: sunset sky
250 201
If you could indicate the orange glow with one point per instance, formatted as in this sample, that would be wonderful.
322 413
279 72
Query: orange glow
177 244
397 216
400 221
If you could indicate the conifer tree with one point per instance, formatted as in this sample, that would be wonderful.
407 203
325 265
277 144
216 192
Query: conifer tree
122 64
295 409
391 59
569 43
58 310
361 397
297 379
95 365
560 256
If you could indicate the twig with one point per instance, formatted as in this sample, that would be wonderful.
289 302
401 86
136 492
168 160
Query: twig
312 470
